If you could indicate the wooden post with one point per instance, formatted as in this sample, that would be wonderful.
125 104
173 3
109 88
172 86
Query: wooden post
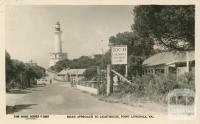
111 81
166 70
186 100
109 87
126 69
98 79
154 71
187 61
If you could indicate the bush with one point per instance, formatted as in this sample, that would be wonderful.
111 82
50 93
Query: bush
155 87
187 80
21 75
90 73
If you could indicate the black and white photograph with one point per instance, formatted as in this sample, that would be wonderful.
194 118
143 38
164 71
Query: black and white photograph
100 61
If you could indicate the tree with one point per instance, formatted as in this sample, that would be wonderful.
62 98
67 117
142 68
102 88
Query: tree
137 45
61 65
81 62
171 26
9 70
33 72
91 73
106 59
21 75
139 48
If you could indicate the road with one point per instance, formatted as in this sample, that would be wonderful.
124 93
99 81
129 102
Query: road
60 98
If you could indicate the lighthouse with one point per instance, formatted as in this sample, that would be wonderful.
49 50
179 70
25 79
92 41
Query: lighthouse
58 54
57 39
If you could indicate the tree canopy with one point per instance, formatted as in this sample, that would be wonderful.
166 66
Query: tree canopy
172 26
81 62
139 48
21 75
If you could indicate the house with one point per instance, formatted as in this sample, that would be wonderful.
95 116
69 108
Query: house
171 62
71 74
63 75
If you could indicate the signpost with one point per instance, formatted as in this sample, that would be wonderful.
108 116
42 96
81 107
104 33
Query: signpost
119 55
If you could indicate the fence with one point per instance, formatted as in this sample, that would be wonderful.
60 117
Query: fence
92 87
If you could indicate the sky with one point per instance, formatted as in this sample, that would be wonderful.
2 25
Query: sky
86 29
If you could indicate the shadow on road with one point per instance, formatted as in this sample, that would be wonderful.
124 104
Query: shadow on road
18 91
35 90
24 91
35 86
16 108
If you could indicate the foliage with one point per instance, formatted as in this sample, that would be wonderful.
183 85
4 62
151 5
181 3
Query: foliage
172 26
90 73
21 75
61 65
155 87
139 48
82 62
9 68
187 80
106 59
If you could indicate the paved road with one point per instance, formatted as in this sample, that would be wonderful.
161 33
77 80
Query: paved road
60 98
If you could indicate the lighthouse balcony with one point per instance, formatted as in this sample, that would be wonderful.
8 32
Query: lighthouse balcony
59 56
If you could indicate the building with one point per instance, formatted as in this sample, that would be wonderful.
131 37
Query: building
57 55
71 74
170 63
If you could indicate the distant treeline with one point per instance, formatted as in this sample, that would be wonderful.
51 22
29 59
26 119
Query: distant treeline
21 75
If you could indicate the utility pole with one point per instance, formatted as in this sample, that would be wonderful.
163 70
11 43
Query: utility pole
109 86
102 47
102 63
109 81
126 71
98 78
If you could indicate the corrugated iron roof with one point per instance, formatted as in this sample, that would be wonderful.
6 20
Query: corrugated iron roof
72 71
169 58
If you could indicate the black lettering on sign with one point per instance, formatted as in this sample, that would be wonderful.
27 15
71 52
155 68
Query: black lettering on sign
115 49
124 49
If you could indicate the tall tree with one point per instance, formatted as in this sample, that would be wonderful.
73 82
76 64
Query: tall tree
172 26
21 75
139 48
136 45
9 70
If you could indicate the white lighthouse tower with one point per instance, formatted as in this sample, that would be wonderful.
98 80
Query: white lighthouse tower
57 39
57 55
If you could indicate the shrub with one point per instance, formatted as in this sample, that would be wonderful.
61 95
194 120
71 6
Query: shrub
187 80
90 73
155 87
21 75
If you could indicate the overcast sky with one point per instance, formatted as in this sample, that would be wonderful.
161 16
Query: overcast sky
30 29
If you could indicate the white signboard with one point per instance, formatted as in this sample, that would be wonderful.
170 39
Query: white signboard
119 55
